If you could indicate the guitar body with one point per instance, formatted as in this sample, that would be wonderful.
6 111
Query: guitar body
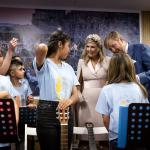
63 116
92 144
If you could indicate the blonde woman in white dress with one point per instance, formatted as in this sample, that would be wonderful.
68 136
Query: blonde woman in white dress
92 75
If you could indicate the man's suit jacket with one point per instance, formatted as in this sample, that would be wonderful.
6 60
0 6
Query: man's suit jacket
141 54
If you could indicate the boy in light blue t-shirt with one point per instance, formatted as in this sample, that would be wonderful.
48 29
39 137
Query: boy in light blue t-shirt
7 91
16 72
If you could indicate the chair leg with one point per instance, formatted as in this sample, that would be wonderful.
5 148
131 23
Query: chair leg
25 143
13 146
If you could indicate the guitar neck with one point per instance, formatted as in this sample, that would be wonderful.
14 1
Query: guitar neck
64 137
92 144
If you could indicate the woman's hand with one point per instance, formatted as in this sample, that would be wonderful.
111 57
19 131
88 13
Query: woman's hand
63 104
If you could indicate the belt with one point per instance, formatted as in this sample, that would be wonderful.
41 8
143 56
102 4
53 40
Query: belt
45 102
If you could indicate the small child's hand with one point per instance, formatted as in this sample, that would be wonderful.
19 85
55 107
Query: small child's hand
31 105
30 99
13 43
4 94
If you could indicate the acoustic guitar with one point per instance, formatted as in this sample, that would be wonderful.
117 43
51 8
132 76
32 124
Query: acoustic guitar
92 144
63 117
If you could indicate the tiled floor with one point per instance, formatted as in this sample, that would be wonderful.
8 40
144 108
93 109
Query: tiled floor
84 145
100 146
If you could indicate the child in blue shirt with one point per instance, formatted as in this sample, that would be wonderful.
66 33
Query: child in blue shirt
7 91
57 83
122 89
16 72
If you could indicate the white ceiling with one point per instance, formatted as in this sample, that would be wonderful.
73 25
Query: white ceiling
101 5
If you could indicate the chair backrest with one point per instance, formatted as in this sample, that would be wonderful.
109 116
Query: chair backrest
8 126
134 125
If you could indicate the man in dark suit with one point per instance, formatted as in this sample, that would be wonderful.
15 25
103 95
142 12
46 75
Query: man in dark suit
140 53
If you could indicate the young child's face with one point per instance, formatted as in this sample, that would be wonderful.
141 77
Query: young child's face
19 72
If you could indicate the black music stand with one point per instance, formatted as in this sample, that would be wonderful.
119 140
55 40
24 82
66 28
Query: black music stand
28 116
8 126
138 126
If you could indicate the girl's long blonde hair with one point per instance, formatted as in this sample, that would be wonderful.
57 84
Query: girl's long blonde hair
121 68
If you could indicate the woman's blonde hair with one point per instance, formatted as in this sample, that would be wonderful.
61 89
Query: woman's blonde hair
121 68
99 42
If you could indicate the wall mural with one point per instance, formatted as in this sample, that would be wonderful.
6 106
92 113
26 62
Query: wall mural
34 26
